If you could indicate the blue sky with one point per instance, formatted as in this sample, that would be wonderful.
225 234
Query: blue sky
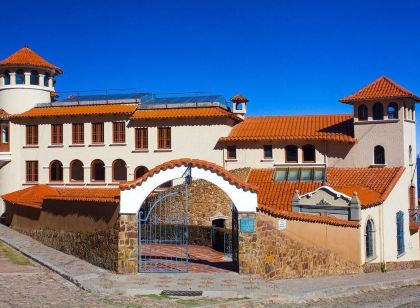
287 57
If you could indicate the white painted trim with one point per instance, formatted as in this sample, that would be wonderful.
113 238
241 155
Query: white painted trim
132 199
338 194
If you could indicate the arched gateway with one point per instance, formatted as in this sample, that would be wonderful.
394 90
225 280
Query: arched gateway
163 226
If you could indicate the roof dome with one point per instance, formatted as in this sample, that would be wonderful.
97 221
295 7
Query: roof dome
26 56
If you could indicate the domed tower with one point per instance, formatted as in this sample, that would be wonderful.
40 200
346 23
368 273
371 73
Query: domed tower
239 105
26 79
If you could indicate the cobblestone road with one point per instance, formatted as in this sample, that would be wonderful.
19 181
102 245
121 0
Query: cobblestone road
27 284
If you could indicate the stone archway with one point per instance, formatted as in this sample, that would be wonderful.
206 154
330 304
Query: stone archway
134 194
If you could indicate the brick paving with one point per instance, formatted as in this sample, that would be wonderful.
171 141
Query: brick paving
107 286
201 259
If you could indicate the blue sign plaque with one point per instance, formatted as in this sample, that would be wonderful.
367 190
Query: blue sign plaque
247 225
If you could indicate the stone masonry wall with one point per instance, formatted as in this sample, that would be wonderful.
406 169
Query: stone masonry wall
127 262
270 253
98 248
390 266
206 200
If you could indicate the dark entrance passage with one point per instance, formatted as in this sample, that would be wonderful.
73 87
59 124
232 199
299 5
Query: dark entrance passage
170 243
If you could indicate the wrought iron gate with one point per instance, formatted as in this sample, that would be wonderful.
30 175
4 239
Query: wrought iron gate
235 238
163 231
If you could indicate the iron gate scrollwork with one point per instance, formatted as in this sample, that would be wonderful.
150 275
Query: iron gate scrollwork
235 238
163 231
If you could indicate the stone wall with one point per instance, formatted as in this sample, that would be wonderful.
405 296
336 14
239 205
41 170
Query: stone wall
98 248
272 254
207 201
127 262
390 266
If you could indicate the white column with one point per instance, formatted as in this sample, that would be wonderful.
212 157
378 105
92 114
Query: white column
108 173
27 78
50 82
12 78
66 174
86 174
41 79
1 80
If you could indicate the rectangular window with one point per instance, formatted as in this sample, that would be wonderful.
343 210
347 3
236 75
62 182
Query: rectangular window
56 133
141 138
32 171
118 132
31 134
231 152
164 137
97 133
268 152
400 233
78 133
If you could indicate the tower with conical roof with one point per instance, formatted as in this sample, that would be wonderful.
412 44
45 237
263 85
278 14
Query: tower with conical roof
384 124
25 80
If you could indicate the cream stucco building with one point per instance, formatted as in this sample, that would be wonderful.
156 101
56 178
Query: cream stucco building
364 161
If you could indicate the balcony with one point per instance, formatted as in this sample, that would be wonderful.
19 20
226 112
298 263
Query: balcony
414 218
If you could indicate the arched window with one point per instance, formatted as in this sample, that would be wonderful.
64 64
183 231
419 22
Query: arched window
140 171
119 170
76 171
370 239
6 76
378 111
400 233
239 106
4 132
362 112
308 153
56 171
97 171
379 155
46 79
291 154
34 80
20 77
392 111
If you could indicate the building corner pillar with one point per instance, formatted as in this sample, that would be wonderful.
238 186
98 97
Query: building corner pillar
127 259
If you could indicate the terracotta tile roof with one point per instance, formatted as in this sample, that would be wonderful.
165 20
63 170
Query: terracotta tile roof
103 109
228 176
182 113
309 218
239 98
373 186
381 88
104 195
26 56
307 127
4 115
34 196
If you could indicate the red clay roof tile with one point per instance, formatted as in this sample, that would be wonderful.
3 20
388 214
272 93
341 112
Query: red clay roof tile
4 115
381 88
34 196
182 113
308 127
62 111
233 179
26 56
373 186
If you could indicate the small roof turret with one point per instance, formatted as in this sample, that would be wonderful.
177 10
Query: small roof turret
27 57
381 88
239 98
